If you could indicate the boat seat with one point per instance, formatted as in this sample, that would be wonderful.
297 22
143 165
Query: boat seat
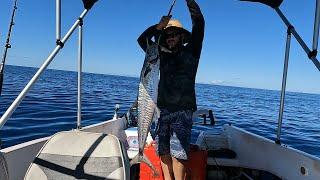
80 155
223 153
4 175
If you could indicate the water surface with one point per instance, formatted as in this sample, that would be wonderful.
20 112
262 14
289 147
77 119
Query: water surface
51 106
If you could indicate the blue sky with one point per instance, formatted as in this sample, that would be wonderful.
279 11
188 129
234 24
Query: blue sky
243 46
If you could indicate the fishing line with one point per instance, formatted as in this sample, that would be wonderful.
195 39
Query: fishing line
8 45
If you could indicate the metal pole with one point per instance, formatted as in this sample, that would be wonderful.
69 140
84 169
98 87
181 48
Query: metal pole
58 20
316 27
23 93
299 39
284 83
79 74
75 25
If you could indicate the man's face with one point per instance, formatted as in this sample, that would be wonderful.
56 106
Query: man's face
172 38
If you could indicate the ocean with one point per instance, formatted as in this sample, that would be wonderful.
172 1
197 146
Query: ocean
51 106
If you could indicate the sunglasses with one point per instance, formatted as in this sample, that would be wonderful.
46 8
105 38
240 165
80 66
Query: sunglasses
171 34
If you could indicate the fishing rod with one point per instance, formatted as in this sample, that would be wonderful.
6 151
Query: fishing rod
174 2
7 46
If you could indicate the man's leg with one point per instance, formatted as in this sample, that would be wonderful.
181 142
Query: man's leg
163 145
166 164
179 157
180 142
179 168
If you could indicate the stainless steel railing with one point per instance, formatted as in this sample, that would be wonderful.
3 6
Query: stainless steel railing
59 46
312 54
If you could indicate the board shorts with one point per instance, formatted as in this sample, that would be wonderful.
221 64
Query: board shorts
173 133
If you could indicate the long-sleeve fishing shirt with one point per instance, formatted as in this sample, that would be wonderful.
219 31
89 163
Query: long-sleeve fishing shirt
178 70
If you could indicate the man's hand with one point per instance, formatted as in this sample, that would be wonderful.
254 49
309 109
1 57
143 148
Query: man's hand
188 1
163 22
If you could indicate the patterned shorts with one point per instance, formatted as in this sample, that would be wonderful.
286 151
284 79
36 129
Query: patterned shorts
174 133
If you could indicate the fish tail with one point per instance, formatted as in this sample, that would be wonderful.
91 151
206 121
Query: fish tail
138 159
147 161
135 160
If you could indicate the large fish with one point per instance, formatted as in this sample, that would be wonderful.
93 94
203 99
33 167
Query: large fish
147 101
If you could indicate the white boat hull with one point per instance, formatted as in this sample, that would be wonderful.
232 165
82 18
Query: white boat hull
253 152
256 152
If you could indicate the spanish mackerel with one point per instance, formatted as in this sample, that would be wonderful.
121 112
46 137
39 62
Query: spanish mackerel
147 101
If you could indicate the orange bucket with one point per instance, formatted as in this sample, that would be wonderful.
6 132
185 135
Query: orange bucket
196 166
146 172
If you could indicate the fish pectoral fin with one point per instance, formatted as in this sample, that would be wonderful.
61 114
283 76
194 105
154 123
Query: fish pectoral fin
157 112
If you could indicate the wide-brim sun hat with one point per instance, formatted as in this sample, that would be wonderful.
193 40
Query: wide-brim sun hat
175 24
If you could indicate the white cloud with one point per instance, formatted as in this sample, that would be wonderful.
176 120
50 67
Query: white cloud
218 82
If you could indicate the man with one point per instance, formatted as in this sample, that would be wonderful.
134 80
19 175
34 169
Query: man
179 58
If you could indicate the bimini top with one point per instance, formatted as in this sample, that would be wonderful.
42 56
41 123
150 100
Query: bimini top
271 3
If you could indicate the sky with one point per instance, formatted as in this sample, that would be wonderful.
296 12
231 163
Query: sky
244 43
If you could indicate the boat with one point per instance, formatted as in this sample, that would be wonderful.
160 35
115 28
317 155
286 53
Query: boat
103 150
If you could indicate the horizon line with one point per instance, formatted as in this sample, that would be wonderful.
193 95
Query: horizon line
197 82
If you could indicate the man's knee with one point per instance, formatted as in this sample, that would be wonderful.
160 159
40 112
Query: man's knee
179 161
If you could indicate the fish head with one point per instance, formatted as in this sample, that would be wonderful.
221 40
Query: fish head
152 62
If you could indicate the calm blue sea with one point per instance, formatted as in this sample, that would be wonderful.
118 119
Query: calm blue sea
51 106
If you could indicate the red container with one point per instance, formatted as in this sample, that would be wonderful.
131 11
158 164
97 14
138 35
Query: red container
197 164
146 172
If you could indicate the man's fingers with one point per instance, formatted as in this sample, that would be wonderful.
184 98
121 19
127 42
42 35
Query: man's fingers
165 18
163 22
169 17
